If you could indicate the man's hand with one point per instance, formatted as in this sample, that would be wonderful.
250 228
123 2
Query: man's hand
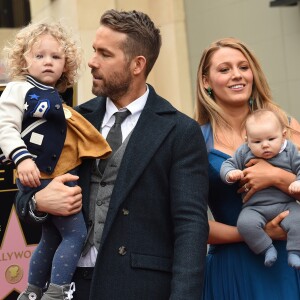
58 199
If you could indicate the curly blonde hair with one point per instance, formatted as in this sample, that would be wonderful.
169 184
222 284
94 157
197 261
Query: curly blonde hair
15 52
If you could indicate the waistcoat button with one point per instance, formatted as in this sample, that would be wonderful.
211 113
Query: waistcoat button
99 202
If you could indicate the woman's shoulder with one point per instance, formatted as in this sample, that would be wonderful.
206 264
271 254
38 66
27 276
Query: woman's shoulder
208 135
294 124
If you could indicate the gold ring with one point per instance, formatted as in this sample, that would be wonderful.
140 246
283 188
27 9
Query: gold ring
246 189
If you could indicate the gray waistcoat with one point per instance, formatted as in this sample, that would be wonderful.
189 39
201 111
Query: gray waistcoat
101 188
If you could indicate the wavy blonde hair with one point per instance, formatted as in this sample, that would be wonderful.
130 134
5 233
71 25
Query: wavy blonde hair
207 110
15 52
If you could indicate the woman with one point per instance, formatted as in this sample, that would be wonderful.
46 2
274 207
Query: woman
230 85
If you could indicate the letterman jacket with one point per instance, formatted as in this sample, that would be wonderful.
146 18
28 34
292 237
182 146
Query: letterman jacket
30 113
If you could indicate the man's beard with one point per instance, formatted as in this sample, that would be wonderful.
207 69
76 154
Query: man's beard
116 86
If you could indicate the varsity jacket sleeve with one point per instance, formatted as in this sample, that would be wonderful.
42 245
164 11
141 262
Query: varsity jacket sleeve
11 115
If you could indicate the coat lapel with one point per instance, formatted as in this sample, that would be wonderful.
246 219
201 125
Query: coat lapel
151 130
93 110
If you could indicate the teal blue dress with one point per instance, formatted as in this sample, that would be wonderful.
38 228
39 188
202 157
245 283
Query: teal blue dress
233 271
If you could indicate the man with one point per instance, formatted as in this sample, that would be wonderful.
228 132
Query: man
147 209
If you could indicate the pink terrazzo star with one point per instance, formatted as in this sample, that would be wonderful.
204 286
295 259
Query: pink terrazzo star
14 257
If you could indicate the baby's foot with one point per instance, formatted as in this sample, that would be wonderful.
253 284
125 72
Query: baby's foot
294 260
270 256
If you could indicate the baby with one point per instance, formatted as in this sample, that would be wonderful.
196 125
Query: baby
266 139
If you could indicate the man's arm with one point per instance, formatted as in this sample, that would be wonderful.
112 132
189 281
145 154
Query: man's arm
189 193
56 199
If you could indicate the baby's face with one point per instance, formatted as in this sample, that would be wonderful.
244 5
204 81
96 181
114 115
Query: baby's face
46 60
265 138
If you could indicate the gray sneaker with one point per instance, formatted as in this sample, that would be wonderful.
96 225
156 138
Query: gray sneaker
59 292
31 293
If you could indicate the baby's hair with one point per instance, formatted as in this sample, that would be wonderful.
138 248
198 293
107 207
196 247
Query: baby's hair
261 114
16 51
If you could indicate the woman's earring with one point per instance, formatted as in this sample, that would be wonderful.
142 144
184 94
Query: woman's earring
251 103
209 91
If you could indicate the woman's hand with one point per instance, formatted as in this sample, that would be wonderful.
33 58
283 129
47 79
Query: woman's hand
260 174
257 176
273 228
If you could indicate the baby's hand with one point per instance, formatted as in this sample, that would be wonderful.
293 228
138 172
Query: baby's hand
294 187
234 175
28 173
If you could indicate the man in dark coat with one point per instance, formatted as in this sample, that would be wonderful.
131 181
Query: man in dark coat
147 212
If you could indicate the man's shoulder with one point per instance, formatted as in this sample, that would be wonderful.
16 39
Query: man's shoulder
164 107
90 105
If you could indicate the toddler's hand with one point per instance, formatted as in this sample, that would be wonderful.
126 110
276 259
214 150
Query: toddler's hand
28 173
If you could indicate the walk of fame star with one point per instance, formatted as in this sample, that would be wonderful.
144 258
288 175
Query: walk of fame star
14 257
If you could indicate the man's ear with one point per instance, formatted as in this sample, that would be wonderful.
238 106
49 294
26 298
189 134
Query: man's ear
139 64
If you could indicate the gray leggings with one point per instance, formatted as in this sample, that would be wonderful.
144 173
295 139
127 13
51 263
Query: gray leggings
252 220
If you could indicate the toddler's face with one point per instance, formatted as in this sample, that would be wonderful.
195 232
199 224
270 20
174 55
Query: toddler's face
46 60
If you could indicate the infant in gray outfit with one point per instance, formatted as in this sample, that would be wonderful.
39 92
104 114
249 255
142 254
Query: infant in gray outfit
266 139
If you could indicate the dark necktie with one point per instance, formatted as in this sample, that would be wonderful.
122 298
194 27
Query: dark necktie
114 137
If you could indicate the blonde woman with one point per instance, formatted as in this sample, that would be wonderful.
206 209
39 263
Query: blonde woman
231 84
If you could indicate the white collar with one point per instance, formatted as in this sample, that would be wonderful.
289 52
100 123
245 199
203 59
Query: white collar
135 107
283 146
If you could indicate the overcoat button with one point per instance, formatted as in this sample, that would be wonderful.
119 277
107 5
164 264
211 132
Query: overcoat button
49 169
85 274
122 250
125 211
103 183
